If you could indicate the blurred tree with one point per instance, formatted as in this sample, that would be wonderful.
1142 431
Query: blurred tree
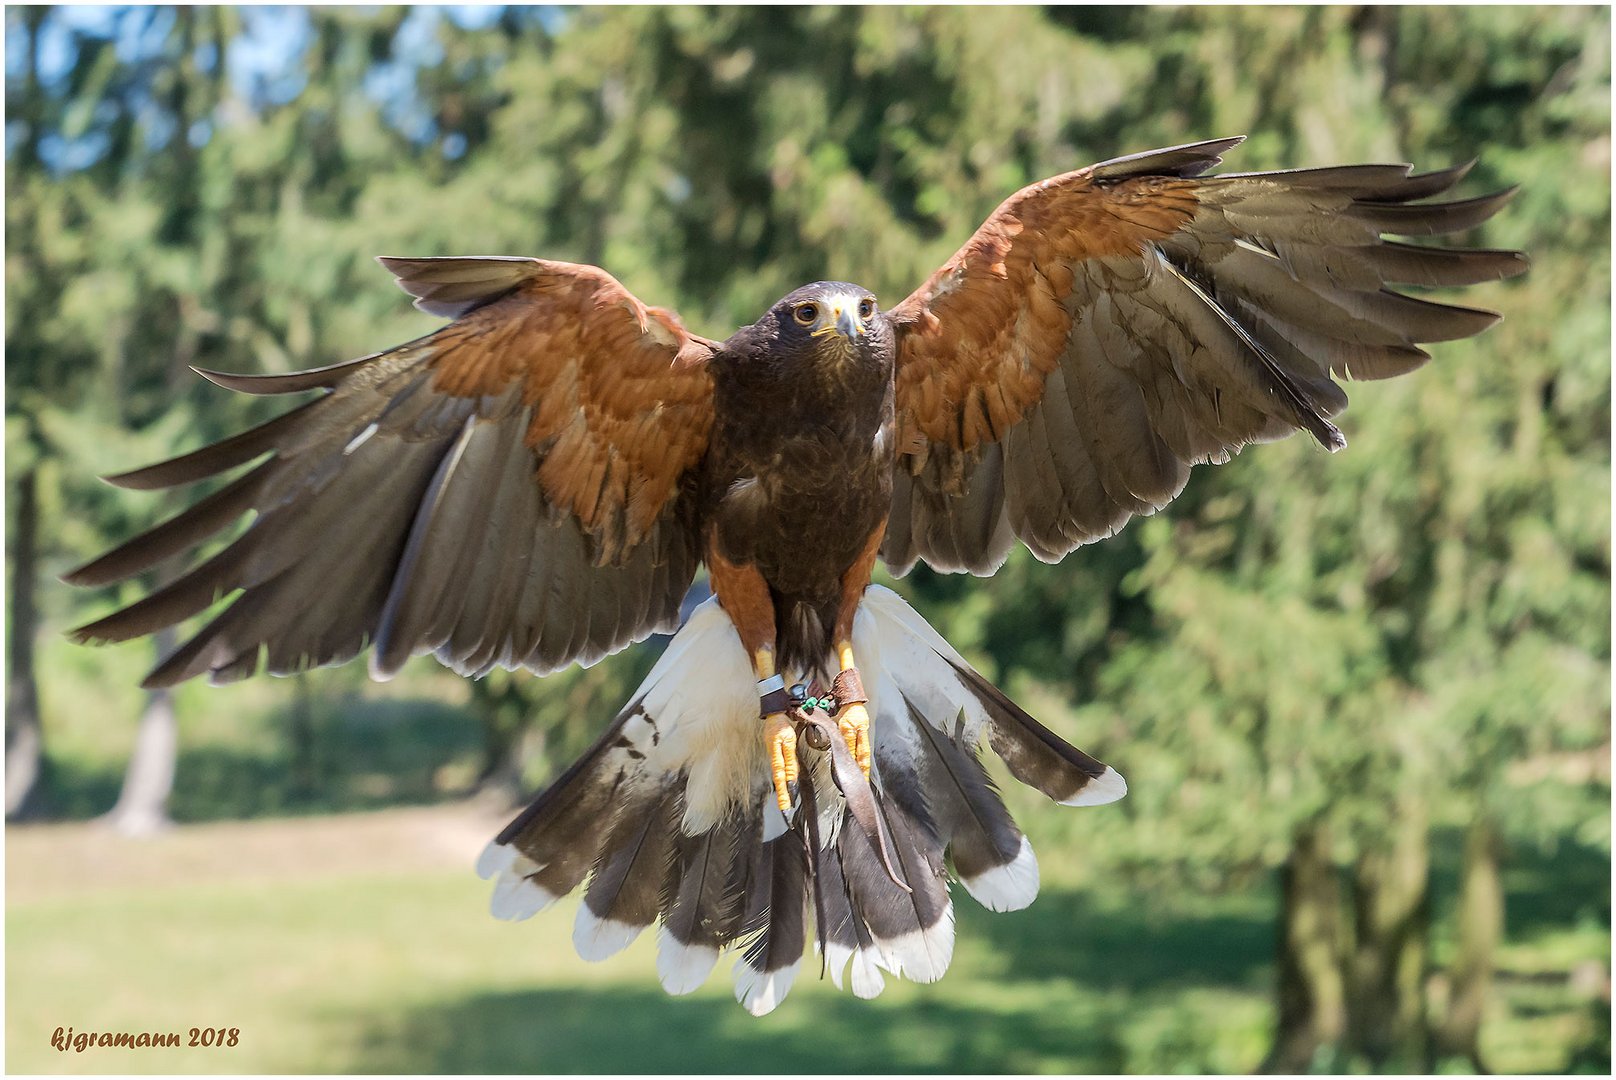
24 733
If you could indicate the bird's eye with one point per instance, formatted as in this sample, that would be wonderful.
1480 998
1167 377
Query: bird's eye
806 313
866 308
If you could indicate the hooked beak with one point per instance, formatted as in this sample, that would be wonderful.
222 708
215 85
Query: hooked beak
847 322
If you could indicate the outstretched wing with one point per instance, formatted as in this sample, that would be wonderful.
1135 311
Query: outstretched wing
1107 329
515 489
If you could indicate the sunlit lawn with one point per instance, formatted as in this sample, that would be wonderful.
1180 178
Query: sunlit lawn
379 971
362 943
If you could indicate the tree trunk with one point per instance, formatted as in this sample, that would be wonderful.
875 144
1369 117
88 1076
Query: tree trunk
502 785
1387 966
1481 925
25 737
142 807
1311 993
510 739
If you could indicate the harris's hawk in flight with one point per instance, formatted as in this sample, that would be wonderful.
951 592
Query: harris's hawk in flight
536 484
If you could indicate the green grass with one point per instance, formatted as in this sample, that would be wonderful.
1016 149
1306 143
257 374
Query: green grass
328 964
406 972
1552 1003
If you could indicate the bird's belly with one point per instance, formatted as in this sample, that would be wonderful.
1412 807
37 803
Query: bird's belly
819 540
803 521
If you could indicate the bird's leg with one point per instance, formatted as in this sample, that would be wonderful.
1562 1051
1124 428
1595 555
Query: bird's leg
853 719
779 734
745 597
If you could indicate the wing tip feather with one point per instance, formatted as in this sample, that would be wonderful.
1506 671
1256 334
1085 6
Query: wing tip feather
1186 160
230 380
145 478
270 384
84 577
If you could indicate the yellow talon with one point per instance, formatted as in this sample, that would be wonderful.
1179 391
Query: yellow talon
854 720
781 739
854 723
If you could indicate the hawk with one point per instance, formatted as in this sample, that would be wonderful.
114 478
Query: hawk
536 484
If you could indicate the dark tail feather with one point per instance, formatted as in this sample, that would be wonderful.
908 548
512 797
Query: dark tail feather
991 856
1037 756
549 849
637 860
912 932
776 903
703 912
845 938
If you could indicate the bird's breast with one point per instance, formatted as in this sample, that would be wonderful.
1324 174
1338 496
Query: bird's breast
800 500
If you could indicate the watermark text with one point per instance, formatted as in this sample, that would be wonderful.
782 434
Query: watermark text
65 1039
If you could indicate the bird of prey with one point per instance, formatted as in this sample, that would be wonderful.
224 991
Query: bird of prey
536 484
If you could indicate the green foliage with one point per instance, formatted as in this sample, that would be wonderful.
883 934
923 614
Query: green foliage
1301 638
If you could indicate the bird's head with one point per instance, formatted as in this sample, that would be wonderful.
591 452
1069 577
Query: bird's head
829 324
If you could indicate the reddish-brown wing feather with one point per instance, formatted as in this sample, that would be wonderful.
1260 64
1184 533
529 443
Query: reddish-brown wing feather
980 336
621 402
514 489
1107 329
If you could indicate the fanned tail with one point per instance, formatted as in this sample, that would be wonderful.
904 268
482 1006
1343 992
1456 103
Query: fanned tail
671 816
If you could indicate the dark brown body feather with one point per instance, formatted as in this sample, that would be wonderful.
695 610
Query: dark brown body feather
800 468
